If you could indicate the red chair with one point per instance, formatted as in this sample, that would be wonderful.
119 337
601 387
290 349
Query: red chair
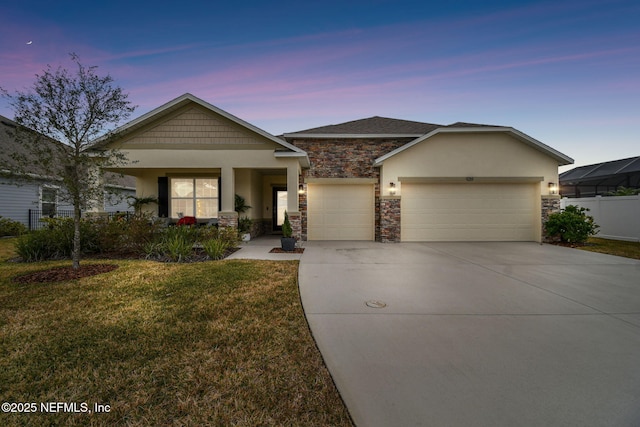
187 220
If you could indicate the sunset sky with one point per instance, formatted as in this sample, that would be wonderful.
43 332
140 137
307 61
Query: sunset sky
564 72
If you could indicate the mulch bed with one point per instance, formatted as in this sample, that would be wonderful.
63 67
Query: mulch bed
571 245
282 251
60 274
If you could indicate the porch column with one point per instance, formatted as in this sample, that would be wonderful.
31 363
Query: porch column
292 188
293 209
228 217
96 203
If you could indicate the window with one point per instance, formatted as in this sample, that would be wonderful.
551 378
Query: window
194 197
48 200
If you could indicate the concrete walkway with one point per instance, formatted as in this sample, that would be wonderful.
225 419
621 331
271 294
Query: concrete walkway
260 247
476 334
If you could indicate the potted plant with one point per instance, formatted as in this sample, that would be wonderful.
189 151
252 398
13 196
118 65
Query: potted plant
244 224
244 228
287 241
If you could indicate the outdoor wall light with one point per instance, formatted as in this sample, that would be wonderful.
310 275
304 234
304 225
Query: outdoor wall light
392 188
553 188
300 189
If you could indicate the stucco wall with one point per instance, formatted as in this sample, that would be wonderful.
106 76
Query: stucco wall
470 155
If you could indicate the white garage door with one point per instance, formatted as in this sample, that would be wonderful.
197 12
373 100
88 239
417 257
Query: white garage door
340 212
468 212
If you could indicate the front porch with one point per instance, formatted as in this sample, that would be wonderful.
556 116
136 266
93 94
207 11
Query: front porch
195 158
209 195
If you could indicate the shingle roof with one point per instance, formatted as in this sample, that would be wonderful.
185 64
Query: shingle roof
9 145
470 125
374 126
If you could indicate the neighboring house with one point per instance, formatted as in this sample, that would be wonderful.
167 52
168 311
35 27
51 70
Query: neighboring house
27 201
373 179
601 178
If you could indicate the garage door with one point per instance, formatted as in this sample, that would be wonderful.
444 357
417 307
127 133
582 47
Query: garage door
340 212
468 212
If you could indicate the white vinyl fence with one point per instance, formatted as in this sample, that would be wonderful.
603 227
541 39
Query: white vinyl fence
617 216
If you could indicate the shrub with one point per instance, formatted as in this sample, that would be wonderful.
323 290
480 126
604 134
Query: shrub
140 231
215 248
110 234
56 241
9 227
174 243
177 247
287 230
227 234
60 231
37 246
572 225
245 224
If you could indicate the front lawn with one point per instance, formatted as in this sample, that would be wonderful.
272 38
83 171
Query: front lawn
210 343
613 247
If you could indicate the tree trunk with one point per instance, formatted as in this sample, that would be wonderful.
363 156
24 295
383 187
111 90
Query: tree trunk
76 236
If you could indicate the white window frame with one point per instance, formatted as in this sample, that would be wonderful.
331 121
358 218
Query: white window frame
194 197
56 190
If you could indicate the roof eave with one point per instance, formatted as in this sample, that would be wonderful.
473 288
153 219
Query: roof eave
349 135
302 157
560 157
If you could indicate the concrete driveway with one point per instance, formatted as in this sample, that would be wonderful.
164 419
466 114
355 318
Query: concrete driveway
476 334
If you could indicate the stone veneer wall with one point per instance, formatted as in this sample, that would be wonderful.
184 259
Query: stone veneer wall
296 224
550 205
344 158
228 219
302 206
390 219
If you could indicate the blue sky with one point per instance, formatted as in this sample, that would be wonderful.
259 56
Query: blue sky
565 72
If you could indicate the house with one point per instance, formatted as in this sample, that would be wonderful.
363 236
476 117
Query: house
27 201
377 179
601 178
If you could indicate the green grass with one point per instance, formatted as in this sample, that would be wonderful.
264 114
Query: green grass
613 247
7 248
212 343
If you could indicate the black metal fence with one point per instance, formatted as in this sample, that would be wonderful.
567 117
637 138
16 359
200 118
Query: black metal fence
36 216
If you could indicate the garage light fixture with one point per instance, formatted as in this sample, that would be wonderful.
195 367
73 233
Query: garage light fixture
392 188
300 189
553 188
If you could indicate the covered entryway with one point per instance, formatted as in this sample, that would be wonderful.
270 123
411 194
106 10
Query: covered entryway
469 212
340 211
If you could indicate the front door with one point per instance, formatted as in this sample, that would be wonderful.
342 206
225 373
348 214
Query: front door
279 206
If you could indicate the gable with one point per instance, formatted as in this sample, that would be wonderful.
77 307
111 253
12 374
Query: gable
478 132
471 154
192 126
188 122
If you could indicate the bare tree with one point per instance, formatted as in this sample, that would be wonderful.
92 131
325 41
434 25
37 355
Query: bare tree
58 118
